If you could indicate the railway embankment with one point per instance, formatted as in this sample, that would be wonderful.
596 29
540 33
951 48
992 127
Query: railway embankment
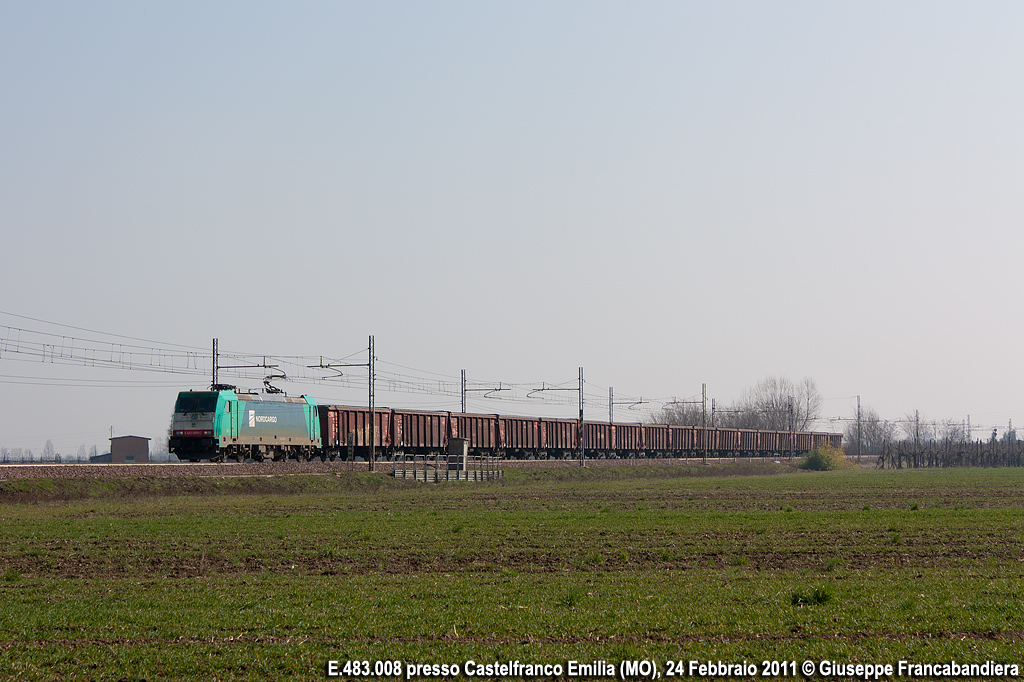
191 469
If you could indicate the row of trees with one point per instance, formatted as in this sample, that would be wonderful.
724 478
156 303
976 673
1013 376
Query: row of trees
873 433
49 454
779 404
774 404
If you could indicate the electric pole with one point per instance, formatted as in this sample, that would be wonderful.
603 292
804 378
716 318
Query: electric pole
581 419
792 445
704 406
858 430
373 448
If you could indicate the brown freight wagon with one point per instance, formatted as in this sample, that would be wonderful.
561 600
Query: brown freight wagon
598 438
656 440
769 442
832 440
728 442
750 441
421 433
519 437
682 440
345 431
629 439
706 441
481 430
558 436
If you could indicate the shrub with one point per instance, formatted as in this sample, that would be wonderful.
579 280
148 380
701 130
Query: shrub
820 595
571 597
825 458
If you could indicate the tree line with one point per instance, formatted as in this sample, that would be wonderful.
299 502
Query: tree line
48 454
872 435
773 404
780 404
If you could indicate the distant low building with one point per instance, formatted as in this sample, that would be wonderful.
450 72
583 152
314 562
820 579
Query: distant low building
129 449
100 459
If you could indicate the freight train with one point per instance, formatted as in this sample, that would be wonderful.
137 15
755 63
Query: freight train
225 424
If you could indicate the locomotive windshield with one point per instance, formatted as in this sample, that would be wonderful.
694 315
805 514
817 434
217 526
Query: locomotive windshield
196 402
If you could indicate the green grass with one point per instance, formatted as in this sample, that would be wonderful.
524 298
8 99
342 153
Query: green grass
245 584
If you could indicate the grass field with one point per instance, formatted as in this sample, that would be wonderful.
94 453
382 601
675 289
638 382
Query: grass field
269 579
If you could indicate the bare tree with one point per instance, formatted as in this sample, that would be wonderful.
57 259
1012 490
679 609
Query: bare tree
917 430
874 433
680 414
48 452
82 456
776 404
951 431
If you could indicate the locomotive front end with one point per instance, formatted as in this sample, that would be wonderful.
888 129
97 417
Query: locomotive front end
193 428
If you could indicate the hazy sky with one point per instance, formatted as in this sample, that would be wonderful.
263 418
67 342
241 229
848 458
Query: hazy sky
666 193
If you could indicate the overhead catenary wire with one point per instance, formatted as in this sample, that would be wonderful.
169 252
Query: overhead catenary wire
100 349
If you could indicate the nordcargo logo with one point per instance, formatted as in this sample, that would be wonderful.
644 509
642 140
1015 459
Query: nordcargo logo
262 419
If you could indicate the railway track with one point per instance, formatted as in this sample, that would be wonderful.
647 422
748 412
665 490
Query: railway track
17 471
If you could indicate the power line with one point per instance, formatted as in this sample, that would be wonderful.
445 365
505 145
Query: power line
30 344
94 331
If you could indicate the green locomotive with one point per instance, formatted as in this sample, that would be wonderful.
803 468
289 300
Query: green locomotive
223 424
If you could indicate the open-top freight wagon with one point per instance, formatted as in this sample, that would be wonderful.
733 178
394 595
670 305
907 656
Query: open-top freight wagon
345 434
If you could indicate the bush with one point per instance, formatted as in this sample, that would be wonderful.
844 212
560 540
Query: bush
820 595
825 458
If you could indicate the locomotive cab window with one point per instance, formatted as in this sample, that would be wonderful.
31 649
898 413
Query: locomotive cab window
196 402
